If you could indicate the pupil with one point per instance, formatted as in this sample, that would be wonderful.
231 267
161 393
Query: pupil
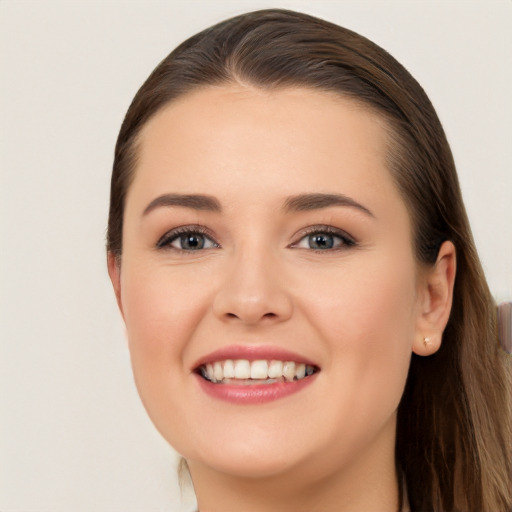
192 242
321 241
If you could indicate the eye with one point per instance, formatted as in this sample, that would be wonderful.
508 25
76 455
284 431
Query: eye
325 238
187 239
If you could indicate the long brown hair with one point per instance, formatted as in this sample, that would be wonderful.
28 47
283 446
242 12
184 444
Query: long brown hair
453 444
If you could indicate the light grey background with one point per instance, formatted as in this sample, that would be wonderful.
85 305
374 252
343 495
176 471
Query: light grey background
73 435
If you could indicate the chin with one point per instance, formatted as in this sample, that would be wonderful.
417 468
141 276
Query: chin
254 466
248 457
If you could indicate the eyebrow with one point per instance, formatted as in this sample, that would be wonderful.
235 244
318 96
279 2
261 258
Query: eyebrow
298 203
305 202
193 201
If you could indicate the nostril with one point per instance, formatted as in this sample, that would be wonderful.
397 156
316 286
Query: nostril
269 315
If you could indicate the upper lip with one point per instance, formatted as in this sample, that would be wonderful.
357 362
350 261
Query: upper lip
252 353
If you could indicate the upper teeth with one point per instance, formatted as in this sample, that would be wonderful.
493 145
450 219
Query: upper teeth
256 370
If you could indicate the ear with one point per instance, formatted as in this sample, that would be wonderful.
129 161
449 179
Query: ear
435 301
114 271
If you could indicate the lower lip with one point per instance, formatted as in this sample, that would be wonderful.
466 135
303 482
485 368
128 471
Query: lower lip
256 393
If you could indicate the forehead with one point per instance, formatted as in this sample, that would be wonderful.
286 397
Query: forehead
216 114
237 140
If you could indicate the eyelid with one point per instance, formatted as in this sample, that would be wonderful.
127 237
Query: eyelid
348 240
165 240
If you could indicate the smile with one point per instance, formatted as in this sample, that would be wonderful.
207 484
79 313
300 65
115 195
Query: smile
258 372
250 374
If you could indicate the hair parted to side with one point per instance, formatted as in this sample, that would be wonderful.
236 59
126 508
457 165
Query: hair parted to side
454 427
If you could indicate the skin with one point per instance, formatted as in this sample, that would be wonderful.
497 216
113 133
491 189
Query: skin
357 311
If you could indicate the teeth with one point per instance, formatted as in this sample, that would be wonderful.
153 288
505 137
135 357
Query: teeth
288 371
229 369
209 371
218 373
242 369
300 371
275 369
261 371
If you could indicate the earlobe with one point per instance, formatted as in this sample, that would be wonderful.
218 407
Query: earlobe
114 271
436 301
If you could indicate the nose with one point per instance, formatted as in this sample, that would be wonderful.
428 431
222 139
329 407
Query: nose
253 291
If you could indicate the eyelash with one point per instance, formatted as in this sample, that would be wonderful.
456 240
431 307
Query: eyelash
346 240
165 242
173 235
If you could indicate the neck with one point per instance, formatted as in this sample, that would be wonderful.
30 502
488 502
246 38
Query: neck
368 483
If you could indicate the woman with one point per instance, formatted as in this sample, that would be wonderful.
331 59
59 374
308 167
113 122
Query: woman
308 320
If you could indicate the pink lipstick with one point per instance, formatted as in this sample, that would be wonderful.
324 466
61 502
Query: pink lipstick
253 374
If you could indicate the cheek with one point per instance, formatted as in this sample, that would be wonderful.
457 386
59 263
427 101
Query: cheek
162 309
369 323
369 303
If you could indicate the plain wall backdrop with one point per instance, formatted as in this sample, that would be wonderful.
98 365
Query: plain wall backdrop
73 434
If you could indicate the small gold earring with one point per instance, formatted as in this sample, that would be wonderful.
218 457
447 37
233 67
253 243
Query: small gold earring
427 341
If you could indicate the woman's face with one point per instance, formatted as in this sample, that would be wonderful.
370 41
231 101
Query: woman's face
264 226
